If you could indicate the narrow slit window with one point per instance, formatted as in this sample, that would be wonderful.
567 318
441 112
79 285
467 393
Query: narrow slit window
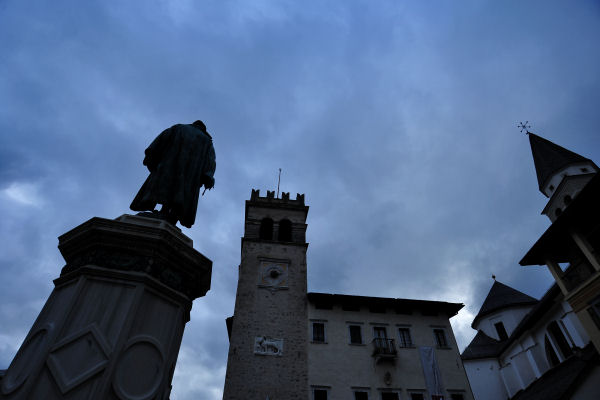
501 330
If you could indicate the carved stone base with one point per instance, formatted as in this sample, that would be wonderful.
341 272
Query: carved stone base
112 327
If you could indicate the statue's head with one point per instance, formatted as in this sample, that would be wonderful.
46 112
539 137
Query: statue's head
200 124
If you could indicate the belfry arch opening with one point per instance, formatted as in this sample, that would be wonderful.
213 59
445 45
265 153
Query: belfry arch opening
266 229
285 230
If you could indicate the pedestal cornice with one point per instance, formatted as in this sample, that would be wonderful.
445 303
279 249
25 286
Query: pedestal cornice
139 244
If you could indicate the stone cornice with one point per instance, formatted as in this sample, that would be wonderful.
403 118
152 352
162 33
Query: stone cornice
138 244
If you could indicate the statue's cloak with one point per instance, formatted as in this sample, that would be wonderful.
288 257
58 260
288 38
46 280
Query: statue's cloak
181 159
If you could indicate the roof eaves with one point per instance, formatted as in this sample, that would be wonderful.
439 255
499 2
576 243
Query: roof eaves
451 308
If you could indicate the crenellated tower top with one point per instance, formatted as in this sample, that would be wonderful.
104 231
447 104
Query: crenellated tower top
270 198
276 219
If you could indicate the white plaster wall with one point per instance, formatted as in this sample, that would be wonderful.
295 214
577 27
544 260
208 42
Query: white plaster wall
568 171
510 318
341 366
510 379
524 368
574 327
525 360
485 379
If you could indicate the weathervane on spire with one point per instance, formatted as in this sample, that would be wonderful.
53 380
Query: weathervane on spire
524 126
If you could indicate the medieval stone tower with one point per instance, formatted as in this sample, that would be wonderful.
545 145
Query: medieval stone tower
268 332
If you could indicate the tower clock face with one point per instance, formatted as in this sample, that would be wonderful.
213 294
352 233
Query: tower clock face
273 275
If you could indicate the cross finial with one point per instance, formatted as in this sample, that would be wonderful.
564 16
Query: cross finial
524 127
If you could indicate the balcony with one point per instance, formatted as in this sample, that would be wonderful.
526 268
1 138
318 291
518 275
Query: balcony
384 348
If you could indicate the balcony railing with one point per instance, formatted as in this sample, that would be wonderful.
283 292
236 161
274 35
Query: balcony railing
383 347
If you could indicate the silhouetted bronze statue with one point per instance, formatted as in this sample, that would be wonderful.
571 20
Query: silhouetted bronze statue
181 160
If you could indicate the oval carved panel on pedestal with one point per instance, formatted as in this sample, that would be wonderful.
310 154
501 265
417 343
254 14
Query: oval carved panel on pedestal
140 370
25 361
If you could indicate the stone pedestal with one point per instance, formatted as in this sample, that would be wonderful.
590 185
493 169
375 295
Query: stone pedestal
112 327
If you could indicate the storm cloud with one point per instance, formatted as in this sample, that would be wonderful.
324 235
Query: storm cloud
398 120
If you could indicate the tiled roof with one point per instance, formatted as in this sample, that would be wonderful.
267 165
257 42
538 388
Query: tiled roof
502 296
482 346
549 158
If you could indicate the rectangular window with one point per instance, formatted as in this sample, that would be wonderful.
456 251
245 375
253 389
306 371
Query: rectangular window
457 396
318 332
404 336
440 338
355 334
501 331
320 394
417 396
379 332
389 396
361 396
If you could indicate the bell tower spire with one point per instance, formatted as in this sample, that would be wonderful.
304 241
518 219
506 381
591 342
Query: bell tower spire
561 173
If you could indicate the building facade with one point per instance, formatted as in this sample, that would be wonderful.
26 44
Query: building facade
512 361
570 247
381 348
527 349
286 343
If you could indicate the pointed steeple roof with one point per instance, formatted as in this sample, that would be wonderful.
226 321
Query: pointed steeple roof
549 158
502 296
482 346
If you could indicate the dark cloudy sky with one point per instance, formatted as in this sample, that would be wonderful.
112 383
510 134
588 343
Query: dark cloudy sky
397 119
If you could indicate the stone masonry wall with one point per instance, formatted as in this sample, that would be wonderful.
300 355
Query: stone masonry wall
276 314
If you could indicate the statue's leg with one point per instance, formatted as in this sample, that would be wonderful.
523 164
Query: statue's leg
172 218
168 214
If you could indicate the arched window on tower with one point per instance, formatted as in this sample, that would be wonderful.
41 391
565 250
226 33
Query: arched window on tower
550 353
285 230
559 339
266 229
